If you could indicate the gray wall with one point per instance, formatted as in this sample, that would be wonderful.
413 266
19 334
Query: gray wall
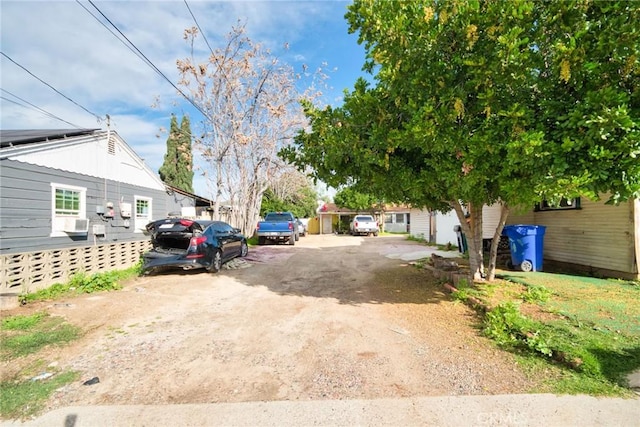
25 207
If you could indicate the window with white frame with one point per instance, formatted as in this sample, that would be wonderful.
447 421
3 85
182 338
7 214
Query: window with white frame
562 204
68 203
143 213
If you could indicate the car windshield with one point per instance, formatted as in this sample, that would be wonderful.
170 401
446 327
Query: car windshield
364 218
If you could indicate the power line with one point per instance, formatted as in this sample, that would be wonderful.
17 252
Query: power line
111 31
198 25
147 60
213 55
53 88
41 110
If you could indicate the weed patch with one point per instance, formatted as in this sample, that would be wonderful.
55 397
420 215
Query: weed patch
82 283
23 335
26 398
589 327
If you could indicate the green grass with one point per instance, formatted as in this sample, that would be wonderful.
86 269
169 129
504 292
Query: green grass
587 329
24 335
82 283
22 323
22 399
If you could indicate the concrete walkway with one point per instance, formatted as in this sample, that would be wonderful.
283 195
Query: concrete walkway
507 410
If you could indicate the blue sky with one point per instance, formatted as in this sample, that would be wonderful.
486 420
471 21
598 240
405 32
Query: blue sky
65 46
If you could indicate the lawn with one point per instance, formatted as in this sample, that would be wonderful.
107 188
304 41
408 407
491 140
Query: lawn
586 327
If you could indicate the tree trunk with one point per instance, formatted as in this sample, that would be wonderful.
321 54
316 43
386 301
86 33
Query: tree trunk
472 228
216 201
493 254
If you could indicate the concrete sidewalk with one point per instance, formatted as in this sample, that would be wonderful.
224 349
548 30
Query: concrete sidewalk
506 410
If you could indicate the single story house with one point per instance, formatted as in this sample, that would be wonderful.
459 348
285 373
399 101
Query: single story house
440 228
193 206
68 189
580 235
397 219
589 236
330 218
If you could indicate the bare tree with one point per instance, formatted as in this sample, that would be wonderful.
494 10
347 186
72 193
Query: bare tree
251 103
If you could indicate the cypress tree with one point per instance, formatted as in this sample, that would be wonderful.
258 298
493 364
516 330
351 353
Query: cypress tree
184 173
177 168
169 167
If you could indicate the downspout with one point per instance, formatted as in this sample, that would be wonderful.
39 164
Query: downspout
108 138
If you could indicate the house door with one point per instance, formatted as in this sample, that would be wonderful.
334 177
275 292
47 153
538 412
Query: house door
326 224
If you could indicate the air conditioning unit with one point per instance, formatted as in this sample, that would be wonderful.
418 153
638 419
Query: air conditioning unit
76 226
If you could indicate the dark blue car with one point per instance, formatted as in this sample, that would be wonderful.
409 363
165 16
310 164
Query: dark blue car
189 244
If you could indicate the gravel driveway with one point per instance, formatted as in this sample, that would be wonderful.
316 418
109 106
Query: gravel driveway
333 317
336 330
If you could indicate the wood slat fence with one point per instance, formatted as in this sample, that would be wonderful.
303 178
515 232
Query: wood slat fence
31 271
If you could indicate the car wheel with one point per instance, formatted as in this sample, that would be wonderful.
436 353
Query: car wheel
262 240
216 262
297 237
292 240
244 249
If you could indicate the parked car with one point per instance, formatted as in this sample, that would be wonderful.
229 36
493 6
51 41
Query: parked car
279 227
363 224
302 229
190 244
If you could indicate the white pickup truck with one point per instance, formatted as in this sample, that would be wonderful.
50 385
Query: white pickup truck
363 224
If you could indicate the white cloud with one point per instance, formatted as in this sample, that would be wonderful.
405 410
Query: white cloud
65 46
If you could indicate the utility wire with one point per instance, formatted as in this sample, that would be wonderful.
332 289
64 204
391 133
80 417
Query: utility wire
41 110
53 88
198 25
147 60
112 33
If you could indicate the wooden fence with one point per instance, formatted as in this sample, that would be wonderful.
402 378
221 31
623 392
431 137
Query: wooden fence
31 271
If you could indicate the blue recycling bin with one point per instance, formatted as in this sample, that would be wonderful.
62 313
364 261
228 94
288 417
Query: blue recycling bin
526 243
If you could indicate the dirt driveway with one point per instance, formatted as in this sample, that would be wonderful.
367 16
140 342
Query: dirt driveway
332 317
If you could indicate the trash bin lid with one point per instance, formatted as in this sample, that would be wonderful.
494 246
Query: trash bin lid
524 230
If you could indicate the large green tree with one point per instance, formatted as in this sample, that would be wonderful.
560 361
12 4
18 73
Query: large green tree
477 102
351 198
177 168
292 192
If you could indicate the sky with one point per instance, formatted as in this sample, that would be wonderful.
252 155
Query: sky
58 59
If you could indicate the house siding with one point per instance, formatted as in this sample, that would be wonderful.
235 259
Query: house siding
394 226
420 223
597 235
490 220
445 222
89 155
26 207
443 230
